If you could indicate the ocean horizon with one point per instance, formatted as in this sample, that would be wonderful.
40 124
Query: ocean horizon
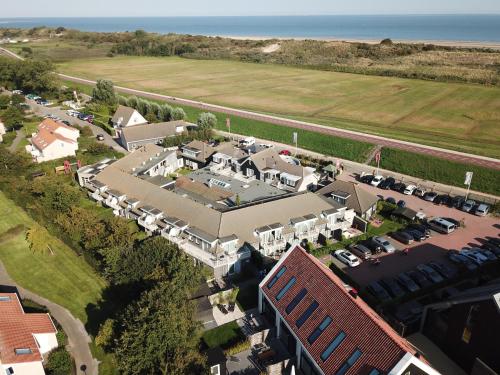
453 27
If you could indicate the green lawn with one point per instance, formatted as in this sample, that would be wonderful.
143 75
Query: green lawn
224 336
456 116
63 278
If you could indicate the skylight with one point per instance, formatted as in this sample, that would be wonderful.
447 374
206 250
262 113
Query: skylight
318 331
302 319
350 362
334 344
23 351
4 298
285 289
276 277
296 300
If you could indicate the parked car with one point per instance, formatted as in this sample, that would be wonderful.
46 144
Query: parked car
409 190
367 179
491 247
443 199
384 244
360 251
285 153
377 180
390 200
420 215
445 270
374 248
100 137
392 286
416 234
485 252
407 282
72 113
457 201
399 186
402 237
430 273
468 205
474 256
419 278
419 192
66 122
347 258
463 260
430 196
421 228
494 240
453 221
401 203
482 210
387 183
378 291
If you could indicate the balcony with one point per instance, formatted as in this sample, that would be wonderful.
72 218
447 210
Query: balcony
209 258
272 246
113 203
148 223
96 196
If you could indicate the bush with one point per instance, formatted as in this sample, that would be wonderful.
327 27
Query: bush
59 362
238 348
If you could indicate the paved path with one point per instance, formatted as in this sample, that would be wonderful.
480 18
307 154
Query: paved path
78 338
328 130
19 136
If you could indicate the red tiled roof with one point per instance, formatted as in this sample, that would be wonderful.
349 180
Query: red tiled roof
381 346
52 125
44 138
17 329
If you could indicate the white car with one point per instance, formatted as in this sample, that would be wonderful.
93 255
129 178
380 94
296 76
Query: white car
72 113
377 180
420 215
347 257
409 189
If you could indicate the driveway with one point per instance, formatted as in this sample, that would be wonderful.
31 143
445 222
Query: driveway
78 338
436 248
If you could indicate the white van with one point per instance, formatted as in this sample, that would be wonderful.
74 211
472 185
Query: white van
247 142
440 225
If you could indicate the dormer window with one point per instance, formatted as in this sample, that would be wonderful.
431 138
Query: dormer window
340 197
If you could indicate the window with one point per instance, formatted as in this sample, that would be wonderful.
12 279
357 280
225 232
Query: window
302 319
374 372
22 351
318 331
215 370
332 346
4 298
288 285
349 363
296 300
276 277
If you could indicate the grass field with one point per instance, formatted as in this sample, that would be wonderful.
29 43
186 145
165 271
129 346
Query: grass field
456 116
63 278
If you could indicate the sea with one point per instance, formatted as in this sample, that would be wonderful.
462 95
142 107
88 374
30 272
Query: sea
474 28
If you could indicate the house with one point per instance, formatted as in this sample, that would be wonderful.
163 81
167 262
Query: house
197 154
126 116
466 327
326 327
2 131
352 195
25 338
53 140
269 166
133 137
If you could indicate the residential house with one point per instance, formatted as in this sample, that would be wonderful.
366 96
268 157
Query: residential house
53 140
126 116
25 338
466 327
2 131
352 195
197 154
325 325
133 137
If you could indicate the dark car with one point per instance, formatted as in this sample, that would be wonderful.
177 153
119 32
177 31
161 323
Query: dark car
367 179
402 237
399 186
100 137
374 248
491 247
494 240
361 251
419 278
378 291
407 282
66 122
453 221
457 201
443 199
390 200
416 234
387 183
421 228
445 270
401 203
393 287
458 258
430 196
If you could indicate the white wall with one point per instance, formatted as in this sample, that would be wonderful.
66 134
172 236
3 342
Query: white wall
46 342
72 134
27 368
56 150
135 119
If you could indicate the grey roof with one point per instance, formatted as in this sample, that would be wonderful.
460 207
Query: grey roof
205 150
132 200
138 158
405 212
360 200
151 131
115 193
158 180
230 238
201 234
124 113
97 184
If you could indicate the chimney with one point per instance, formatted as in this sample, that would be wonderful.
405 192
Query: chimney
354 293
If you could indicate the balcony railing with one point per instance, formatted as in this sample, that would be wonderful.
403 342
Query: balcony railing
146 223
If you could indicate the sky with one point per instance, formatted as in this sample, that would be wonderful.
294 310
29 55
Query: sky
165 8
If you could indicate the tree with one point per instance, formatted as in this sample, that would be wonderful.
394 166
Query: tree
160 334
122 100
132 102
151 118
178 114
37 238
16 99
4 101
106 333
143 106
156 110
12 118
206 121
104 93
59 362
166 113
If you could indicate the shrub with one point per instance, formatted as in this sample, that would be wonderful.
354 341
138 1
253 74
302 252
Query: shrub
238 348
59 362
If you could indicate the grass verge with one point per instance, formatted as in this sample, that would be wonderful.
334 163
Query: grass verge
224 336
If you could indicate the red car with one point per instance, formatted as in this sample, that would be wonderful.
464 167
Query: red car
285 152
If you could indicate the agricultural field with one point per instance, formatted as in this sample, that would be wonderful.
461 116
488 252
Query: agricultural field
461 117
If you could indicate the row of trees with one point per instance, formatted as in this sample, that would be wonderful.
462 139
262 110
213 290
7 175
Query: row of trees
152 111
28 75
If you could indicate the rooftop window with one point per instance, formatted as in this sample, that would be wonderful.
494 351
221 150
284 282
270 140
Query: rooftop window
295 301
350 362
285 289
306 314
319 330
374 372
22 351
334 344
4 298
276 277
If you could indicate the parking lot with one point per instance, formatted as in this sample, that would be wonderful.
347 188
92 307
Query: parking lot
432 249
